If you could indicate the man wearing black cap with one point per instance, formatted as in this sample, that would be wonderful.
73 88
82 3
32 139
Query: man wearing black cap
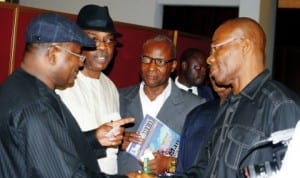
94 98
39 137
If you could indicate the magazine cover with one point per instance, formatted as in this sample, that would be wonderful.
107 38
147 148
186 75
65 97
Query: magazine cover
157 136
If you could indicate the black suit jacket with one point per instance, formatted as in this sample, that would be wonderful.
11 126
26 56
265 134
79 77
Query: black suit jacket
196 128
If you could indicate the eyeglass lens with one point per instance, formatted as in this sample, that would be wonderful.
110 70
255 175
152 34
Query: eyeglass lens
157 61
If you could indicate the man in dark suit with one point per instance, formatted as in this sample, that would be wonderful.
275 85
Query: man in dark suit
39 137
158 96
192 73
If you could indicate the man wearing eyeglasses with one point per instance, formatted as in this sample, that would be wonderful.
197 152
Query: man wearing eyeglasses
39 137
94 98
158 96
256 107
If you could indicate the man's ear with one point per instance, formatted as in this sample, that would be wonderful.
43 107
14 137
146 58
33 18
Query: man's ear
51 55
246 45
174 64
183 65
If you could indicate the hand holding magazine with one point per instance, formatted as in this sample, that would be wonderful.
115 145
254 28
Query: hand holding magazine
157 137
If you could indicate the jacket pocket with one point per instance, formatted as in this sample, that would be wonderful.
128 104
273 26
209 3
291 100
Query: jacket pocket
240 140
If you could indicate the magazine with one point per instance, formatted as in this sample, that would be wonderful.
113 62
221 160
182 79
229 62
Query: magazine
157 137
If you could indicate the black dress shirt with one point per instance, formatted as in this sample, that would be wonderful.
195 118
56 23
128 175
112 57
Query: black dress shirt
263 107
39 136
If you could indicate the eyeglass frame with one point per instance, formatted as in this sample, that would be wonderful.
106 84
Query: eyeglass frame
108 42
80 56
164 62
225 42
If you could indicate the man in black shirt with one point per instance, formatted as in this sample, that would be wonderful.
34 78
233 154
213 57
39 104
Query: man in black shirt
256 108
39 137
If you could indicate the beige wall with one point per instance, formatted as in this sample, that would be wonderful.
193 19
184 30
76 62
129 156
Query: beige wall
150 12
141 12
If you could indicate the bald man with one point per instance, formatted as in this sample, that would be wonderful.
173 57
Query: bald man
257 106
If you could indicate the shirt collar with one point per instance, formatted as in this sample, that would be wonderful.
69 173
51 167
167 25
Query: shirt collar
166 93
253 88
153 107
183 87
179 85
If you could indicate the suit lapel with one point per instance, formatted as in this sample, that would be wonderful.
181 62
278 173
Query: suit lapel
135 107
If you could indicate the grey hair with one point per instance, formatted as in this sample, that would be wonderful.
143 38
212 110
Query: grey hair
160 38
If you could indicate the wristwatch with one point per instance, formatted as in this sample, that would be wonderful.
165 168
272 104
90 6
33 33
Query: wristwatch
172 167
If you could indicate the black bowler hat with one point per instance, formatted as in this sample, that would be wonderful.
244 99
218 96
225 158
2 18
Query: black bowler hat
94 17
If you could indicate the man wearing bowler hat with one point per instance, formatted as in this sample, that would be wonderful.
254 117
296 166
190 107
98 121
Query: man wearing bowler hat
94 98
39 137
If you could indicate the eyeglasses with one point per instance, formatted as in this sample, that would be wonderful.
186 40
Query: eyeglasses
81 57
157 61
224 42
108 42
214 46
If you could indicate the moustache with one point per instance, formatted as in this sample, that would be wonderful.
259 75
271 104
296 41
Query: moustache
99 54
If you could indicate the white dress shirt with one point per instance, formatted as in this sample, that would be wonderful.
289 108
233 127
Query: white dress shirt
94 102
194 89
152 107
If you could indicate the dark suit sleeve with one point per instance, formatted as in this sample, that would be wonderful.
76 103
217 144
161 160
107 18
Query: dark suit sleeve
43 151
200 162
99 150
181 151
